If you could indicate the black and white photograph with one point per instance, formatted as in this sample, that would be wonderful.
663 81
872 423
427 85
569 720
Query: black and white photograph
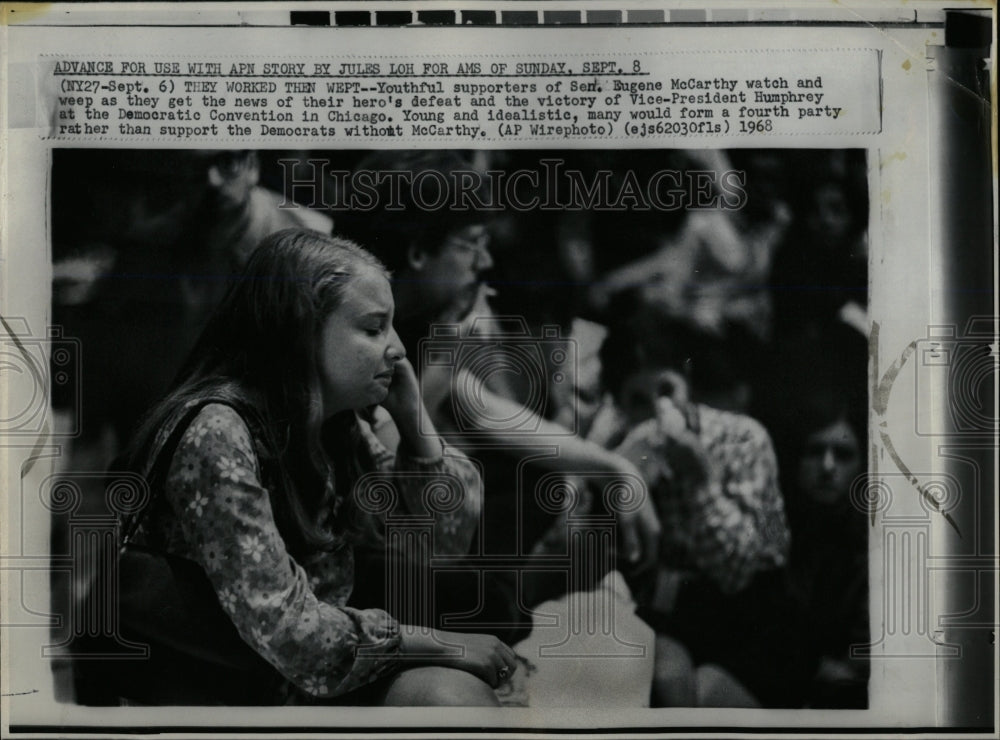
392 368
629 386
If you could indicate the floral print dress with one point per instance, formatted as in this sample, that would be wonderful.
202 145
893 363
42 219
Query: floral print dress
729 526
292 611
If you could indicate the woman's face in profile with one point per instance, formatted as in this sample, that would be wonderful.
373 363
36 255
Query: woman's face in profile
359 348
830 461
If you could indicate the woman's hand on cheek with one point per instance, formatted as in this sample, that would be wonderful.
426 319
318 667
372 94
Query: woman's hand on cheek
405 406
403 400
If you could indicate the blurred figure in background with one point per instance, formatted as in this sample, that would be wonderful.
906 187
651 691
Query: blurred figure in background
707 265
828 576
714 479
820 271
141 255
820 429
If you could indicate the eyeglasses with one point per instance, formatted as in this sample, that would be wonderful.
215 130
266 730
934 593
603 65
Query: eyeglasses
479 246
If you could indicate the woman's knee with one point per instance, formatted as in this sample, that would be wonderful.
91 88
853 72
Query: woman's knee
434 686
674 676
717 687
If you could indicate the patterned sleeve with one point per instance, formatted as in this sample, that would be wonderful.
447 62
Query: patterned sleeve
449 488
213 486
742 530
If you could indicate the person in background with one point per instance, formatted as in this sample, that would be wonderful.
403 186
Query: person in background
820 430
820 270
714 479
706 265
828 577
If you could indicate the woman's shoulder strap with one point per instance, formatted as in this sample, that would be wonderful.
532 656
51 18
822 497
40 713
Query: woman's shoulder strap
169 437
170 434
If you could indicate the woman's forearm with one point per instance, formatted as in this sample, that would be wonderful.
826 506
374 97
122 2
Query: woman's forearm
423 443
575 453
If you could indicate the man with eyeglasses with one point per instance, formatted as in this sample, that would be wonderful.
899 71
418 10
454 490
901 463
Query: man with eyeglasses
438 254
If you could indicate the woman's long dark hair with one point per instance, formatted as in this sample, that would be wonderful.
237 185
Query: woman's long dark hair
259 353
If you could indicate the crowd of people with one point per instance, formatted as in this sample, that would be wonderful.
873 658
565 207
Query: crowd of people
259 361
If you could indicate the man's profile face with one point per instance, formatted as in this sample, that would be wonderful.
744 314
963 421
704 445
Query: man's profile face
449 279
